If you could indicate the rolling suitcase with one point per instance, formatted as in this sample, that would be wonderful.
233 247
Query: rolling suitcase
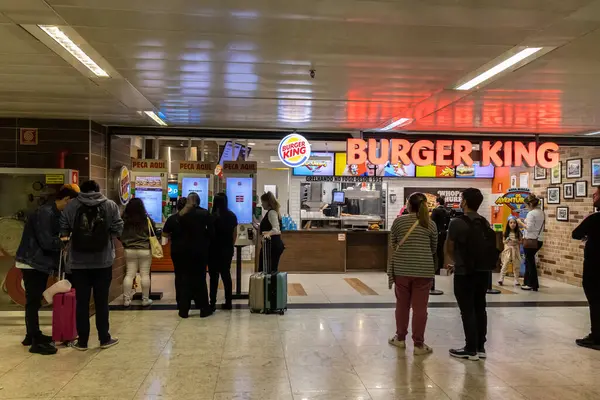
275 286
64 328
256 293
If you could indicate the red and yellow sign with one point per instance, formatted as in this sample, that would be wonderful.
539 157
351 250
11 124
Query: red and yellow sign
148 165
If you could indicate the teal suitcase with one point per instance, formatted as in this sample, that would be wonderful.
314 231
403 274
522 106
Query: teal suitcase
276 293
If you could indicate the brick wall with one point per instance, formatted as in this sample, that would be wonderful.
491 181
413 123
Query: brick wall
561 258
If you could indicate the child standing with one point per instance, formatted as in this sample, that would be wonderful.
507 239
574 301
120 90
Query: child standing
512 250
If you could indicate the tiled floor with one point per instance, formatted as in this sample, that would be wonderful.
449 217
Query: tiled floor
324 354
371 287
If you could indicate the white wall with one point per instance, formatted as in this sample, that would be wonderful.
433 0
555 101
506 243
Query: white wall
274 177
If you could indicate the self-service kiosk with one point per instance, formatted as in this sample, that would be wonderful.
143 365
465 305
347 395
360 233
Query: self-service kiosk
197 177
149 183
239 179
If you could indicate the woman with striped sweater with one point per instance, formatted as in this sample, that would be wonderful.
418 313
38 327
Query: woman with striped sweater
411 270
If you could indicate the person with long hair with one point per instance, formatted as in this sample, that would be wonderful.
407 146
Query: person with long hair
512 250
172 230
270 229
136 241
534 231
412 269
221 250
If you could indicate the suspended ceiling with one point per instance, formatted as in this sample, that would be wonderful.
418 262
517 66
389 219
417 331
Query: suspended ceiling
245 64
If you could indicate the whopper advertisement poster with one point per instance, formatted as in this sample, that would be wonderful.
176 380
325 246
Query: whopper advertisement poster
451 195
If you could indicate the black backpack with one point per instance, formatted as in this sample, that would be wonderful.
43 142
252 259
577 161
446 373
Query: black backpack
90 229
480 253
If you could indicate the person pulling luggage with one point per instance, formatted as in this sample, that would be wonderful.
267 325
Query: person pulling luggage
270 229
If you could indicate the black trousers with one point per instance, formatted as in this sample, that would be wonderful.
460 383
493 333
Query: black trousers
274 249
591 287
531 276
35 283
219 264
85 281
470 291
190 281
439 256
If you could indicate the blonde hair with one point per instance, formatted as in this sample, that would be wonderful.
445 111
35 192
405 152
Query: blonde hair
271 201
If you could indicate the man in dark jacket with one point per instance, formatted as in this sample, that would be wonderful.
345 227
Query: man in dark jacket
589 230
37 257
90 223
440 215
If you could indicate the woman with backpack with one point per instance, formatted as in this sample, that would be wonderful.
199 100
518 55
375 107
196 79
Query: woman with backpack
136 240
414 240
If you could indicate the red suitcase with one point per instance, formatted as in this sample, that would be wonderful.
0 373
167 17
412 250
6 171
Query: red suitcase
63 317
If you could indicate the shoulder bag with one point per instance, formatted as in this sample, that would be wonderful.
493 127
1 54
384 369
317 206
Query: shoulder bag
533 243
155 246
412 228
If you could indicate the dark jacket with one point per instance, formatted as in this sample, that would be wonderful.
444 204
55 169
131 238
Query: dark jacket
104 258
40 244
589 229
441 216
197 230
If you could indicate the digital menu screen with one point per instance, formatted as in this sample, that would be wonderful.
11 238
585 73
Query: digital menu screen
196 185
343 169
239 198
323 165
227 153
433 171
149 190
396 170
475 171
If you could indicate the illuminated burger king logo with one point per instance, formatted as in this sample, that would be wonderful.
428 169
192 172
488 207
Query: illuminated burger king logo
294 150
124 185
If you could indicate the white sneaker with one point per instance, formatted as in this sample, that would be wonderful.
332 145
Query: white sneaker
398 343
146 302
419 351
126 301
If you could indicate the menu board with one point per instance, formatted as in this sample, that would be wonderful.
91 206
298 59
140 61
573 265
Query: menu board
323 166
368 169
149 190
433 171
475 171
343 169
239 198
196 185
397 170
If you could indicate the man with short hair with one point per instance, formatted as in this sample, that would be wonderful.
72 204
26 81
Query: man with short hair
90 223
37 257
589 231
470 278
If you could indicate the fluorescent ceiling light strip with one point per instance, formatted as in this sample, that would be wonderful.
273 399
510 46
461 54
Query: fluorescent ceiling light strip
61 38
395 124
503 66
592 133
155 118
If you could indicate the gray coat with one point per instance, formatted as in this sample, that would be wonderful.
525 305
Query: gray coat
104 258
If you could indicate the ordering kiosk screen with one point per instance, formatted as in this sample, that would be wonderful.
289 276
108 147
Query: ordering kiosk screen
196 185
239 198
149 190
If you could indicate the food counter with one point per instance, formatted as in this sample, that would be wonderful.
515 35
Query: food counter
334 251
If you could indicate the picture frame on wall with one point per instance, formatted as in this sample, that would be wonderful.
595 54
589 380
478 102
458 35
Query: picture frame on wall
556 173
524 180
562 214
553 195
569 190
581 188
542 202
574 168
595 171
513 181
539 173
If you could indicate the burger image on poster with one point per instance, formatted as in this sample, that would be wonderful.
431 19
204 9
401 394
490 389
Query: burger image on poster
294 150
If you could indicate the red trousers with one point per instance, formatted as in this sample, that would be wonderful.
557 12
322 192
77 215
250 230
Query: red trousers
412 293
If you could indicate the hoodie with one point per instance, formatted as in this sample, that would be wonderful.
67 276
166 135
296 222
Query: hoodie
104 258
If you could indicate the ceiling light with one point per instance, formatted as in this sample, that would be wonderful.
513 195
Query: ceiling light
59 36
155 118
495 70
251 144
592 133
395 124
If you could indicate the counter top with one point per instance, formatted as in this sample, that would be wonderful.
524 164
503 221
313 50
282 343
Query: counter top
333 231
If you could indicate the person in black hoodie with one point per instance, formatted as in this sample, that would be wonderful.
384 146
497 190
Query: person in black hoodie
589 231
37 257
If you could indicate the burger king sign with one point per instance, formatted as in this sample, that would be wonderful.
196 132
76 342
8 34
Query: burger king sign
294 150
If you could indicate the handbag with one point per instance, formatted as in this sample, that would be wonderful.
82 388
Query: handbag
62 286
533 243
155 246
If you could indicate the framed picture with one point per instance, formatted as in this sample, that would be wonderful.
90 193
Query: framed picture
574 168
553 195
569 190
562 214
581 189
542 204
556 173
513 181
524 180
539 173
595 171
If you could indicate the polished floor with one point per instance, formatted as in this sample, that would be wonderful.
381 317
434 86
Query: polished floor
327 354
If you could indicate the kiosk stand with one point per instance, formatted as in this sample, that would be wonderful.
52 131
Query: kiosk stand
240 187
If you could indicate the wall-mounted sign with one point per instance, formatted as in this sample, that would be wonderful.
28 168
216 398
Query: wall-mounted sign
319 164
241 167
294 150
450 152
28 136
452 196
344 179
124 185
55 179
199 167
514 199
148 165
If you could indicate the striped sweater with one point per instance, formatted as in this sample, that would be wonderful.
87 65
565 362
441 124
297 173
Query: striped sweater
415 256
